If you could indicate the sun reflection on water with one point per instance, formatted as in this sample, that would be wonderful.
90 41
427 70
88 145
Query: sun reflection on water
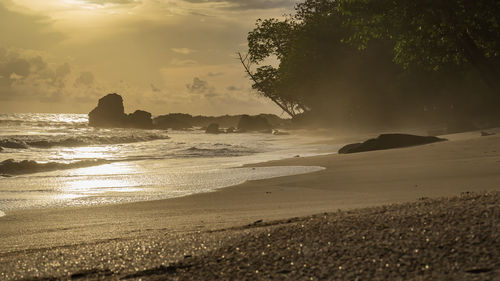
103 179
69 196
119 168
89 152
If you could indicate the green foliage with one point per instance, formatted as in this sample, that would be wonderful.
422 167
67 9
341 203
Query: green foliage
368 61
270 37
428 33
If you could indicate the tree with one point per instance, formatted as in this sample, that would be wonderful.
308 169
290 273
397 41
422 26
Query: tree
432 34
315 72
373 62
264 79
271 38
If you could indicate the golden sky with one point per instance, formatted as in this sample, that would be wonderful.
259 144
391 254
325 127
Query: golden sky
161 55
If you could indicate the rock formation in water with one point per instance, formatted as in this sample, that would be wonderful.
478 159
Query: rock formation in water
110 113
175 121
388 141
140 119
253 123
182 121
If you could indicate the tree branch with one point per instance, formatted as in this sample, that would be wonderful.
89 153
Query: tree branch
246 65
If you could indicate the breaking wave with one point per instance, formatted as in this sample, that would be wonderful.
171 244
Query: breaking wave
11 167
60 124
44 120
215 152
84 140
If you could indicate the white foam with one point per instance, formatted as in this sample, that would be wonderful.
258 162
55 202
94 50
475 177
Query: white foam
2 214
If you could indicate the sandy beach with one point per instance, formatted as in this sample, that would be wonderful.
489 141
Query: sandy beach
158 239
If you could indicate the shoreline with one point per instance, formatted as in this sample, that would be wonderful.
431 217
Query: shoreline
349 181
156 178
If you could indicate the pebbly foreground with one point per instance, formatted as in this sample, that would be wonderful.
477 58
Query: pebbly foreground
455 238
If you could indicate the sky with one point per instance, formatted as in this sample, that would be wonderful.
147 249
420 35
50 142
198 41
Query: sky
162 56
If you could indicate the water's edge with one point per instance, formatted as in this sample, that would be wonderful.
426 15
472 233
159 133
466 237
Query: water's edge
299 170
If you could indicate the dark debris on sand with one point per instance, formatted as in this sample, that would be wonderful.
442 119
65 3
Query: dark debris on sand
454 238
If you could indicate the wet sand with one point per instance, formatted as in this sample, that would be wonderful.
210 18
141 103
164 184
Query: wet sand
123 240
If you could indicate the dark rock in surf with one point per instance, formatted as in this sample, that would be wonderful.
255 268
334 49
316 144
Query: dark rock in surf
212 129
109 112
230 130
174 121
182 121
254 123
140 119
388 141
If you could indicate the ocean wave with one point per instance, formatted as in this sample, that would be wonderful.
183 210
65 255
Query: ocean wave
12 143
38 123
11 167
214 152
83 140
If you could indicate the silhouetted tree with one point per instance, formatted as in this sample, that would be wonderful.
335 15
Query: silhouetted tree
432 34
376 61
270 38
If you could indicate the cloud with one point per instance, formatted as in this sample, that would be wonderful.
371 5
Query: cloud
194 13
178 62
85 78
26 77
182 51
165 41
214 74
248 4
120 2
154 88
15 76
23 30
63 70
233 88
199 86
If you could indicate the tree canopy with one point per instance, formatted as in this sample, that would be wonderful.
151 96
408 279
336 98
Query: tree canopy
432 34
363 61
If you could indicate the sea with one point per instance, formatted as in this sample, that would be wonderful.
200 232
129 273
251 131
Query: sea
57 160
